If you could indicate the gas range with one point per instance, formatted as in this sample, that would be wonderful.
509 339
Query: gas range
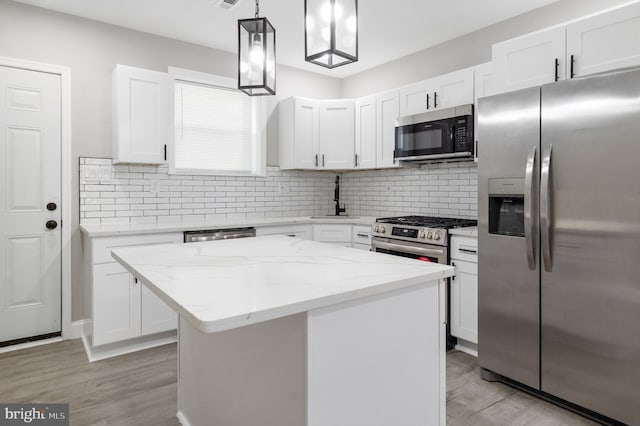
419 229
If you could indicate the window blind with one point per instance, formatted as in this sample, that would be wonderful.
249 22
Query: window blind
216 130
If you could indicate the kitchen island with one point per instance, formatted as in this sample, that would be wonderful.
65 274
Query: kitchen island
287 332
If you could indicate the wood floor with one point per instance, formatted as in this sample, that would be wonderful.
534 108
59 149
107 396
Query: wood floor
140 389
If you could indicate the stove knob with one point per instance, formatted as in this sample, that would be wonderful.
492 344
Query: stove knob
436 236
429 235
376 228
382 230
422 234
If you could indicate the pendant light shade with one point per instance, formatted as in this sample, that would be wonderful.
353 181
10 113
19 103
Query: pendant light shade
331 32
256 56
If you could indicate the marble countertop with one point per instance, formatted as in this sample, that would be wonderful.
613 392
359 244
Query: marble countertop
468 231
220 285
108 230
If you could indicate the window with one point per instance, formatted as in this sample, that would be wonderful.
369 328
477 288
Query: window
218 129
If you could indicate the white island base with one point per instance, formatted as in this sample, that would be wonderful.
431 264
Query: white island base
278 331
376 361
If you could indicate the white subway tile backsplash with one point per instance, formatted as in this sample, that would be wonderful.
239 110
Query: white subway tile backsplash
448 190
127 195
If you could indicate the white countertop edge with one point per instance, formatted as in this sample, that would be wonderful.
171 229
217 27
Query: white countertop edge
469 231
286 310
107 230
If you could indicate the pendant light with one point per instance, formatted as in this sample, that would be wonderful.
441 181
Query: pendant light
331 32
256 56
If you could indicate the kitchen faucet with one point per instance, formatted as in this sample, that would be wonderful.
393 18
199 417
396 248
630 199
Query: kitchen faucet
336 198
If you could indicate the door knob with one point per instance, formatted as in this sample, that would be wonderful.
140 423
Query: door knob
51 207
51 224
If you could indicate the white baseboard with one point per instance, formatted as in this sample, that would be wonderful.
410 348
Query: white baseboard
77 330
182 418
133 345
467 347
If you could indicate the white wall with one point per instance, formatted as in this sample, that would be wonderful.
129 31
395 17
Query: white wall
92 49
469 50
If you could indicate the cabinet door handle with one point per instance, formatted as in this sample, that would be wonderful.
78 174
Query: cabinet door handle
165 152
573 63
360 234
356 160
428 101
463 250
453 277
322 160
394 156
555 69
316 160
435 99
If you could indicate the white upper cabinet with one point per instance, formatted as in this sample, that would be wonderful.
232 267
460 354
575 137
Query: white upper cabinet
387 111
483 76
605 42
306 126
366 133
416 98
453 89
529 61
317 134
141 115
337 134
299 126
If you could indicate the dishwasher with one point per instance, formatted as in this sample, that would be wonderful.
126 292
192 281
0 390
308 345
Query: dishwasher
218 234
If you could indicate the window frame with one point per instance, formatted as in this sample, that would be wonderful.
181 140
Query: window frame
181 75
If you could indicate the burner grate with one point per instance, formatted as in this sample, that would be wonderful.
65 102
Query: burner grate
429 221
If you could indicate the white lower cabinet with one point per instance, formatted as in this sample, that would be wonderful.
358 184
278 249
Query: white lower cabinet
298 231
116 304
338 234
464 288
121 307
156 316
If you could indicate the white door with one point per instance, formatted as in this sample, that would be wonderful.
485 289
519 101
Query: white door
387 111
453 89
306 134
416 98
529 60
366 133
605 42
30 267
337 134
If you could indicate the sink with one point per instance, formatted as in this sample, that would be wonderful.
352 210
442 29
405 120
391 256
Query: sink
332 216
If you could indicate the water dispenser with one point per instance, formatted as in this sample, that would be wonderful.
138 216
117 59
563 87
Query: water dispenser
506 207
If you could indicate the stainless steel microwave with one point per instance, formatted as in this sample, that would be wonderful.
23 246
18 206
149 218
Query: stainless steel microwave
436 135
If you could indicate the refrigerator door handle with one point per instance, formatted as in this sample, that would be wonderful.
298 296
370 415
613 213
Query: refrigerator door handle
529 209
545 209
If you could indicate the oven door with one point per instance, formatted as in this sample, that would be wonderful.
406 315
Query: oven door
424 252
424 139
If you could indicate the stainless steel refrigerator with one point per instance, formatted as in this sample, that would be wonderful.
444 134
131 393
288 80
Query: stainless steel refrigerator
559 241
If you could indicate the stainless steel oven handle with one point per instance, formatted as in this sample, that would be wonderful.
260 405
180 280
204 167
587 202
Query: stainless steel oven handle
529 208
409 249
545 209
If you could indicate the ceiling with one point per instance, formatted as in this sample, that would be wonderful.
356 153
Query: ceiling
388 29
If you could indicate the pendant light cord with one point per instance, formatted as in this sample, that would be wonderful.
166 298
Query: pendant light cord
257 8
